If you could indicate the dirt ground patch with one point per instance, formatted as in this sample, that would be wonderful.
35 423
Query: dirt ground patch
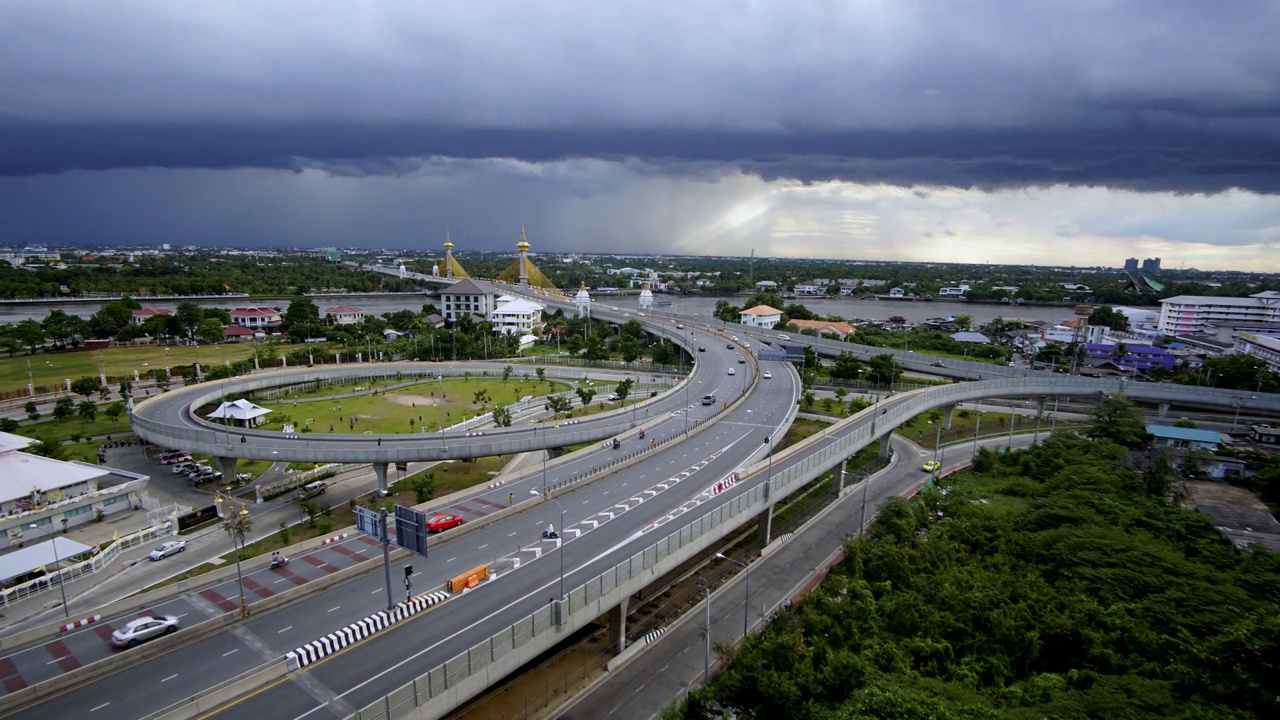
538 691
411 400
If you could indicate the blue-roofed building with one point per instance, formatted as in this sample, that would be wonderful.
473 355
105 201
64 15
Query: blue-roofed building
1142 358
1187 438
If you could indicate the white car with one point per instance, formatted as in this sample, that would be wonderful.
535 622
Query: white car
767 375
173 547
732 371
182 468
784 337
143 629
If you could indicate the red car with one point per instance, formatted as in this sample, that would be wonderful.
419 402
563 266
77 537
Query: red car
440 523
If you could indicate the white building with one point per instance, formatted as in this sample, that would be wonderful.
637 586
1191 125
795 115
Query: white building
1260 346
1201 314
53 495
953 292
146 313
809 289
896 292
766 286
259 317
1140 319
344 315
468 297
761 316
516 316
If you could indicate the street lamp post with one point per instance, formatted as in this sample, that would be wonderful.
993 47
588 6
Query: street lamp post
746 599
706 656
1235 420
235 542
562 540
976 427
61 577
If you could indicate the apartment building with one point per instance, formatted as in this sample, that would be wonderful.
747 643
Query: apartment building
1202 314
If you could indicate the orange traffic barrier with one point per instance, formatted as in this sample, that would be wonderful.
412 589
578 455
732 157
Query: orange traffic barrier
468 579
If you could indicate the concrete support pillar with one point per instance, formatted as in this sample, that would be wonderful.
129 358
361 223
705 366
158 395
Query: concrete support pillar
618 626
766 525
837 480
228 467
947 412
885 447
380 470
1040 403
199 373
1164 409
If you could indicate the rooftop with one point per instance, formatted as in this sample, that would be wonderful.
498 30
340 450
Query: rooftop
761 310
1188 434
342 310
21 474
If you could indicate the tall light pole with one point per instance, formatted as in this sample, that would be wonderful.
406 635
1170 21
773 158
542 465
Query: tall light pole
976 427
57 562
1236 419
440 379
746 600
769 451
545 452
562 540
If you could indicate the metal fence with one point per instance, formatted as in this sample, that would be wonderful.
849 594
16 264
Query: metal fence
96 564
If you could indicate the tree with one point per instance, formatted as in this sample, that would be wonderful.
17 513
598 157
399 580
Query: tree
559 404
64 408
237 524
87 410
585 395
726 312
806 399
302 318
480 397
162 379
663 353
114 411
502 417
46 447
86 385
32 410
623 389
506 373
964 322
30 333
424 487
103 392
632 329
211 331
886 370
542 373
187 317
845 367
1107 316
126 388
1116 419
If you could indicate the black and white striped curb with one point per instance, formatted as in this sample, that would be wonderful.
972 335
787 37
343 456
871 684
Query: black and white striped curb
361 629
653 635
785 537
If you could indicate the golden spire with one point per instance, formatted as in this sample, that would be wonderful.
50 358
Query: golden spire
523 245
448 244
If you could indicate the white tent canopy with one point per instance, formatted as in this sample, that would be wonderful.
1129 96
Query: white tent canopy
21 562
241 411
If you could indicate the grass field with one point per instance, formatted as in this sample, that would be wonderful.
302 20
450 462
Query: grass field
51 369
62 430
406 409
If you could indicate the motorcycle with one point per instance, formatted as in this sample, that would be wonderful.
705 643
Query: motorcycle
616 444
279 561
550 535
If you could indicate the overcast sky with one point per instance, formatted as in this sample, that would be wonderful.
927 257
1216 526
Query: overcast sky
1054 133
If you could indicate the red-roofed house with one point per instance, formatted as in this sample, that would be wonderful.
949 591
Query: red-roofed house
237 333
256 318
344 315
823 327
145 314
761 316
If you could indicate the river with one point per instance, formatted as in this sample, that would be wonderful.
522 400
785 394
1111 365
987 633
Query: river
912 311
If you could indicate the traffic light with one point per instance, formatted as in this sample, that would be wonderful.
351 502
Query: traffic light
408 571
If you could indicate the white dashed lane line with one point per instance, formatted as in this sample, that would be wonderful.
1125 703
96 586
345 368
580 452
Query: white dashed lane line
99 707
284 630
170 677
336 607
230 652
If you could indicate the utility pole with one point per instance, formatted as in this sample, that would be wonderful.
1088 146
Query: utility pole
386 557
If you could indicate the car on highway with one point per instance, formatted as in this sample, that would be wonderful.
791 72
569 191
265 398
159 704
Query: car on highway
741 360
746 345
732 371
708 399
313 489
143 629
939 363
173 547
767 375
784 337
702 348
443 521
931 466
613 397
728 346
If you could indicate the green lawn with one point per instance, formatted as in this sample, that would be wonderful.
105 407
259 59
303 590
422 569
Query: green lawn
51 369
964 423
391 411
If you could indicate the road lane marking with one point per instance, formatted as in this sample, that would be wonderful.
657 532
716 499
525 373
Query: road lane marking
284 630
170 677
228 653
483 546
335 607
451 559
512 535
279 581
375 592
99 707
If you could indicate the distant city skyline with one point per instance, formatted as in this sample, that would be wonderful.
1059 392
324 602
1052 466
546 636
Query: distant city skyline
1061 134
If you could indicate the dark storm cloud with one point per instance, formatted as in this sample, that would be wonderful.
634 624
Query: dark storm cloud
1169 95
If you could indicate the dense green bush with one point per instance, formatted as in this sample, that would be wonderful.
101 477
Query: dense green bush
1057 584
